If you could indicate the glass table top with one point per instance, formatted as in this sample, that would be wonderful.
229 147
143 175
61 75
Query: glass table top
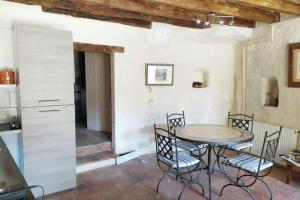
212 134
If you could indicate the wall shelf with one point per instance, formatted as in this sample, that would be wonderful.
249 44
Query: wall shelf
8 86
198 87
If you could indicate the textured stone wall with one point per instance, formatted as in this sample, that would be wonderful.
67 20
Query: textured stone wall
266 57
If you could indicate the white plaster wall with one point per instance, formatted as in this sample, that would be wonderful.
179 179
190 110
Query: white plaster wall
6 48
7 96
267 58
189 49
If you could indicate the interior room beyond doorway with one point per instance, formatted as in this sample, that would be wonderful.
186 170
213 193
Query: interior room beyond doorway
92 98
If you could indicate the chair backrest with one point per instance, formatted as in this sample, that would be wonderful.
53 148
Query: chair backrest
270 146
175 120
241 121
165 144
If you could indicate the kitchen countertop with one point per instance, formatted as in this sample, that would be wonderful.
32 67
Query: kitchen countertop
10 174
5 130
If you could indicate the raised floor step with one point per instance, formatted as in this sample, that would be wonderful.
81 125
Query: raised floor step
92 149
94 157
95 161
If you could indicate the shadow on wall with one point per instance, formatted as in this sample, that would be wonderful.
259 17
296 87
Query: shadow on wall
147 145
269 92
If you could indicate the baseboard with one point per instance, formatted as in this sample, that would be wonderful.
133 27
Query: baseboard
126 157
95 165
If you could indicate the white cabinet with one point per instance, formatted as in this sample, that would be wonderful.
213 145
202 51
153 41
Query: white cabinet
45 78
45 66
46 94
49 153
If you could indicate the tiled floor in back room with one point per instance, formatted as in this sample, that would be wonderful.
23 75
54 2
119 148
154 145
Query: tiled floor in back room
85 137
137 179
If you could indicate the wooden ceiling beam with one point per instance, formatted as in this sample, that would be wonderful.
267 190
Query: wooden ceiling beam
121 20
184 20
218 7
33 2
277 5
93 11
62 8
97 48
293 1
157 13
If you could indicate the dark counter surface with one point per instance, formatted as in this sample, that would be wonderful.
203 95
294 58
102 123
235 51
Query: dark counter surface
10 175
5 130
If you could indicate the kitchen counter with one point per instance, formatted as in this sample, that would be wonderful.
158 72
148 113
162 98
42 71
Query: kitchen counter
10 174
12 139
5 130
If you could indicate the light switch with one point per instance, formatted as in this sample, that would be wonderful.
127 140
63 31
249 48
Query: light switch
150 101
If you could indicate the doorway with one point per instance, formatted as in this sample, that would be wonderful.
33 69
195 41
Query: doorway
92 92
94 102
93 107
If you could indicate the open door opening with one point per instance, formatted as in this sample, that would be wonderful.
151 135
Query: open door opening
93 106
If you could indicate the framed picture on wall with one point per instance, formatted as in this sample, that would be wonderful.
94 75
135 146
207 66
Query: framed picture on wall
159 74
294 65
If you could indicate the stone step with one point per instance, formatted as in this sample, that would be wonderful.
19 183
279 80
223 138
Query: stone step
92 149
94 157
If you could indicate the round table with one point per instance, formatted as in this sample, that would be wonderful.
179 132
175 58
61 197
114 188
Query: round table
212 135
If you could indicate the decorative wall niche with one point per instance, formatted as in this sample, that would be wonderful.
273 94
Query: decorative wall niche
200 79
270 92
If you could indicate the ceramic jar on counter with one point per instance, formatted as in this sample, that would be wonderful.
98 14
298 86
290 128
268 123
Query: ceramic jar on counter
7 76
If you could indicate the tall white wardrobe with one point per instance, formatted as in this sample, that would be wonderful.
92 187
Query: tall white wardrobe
45 78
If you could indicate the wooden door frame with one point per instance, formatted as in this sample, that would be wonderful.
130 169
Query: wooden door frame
96 48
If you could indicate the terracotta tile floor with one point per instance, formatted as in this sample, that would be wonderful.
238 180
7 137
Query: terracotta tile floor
137 179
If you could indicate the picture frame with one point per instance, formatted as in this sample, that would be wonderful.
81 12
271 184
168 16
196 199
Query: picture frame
159 74
294 65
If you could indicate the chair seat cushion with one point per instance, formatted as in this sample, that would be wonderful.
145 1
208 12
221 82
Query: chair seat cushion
189 146
248 162
184 160
241 146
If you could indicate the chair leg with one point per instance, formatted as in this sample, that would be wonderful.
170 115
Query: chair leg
157 187
271 195
238 187
190 174
224 188
213 166
203 192
197 182
184 186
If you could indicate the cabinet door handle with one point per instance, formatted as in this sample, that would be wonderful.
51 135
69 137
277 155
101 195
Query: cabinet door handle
49 111
48 100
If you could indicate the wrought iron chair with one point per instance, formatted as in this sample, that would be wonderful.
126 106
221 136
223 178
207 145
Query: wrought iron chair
20 192
254 167
239 121
173 163
244 122
175 120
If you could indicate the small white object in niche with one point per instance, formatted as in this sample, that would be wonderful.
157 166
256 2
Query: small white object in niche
200 79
